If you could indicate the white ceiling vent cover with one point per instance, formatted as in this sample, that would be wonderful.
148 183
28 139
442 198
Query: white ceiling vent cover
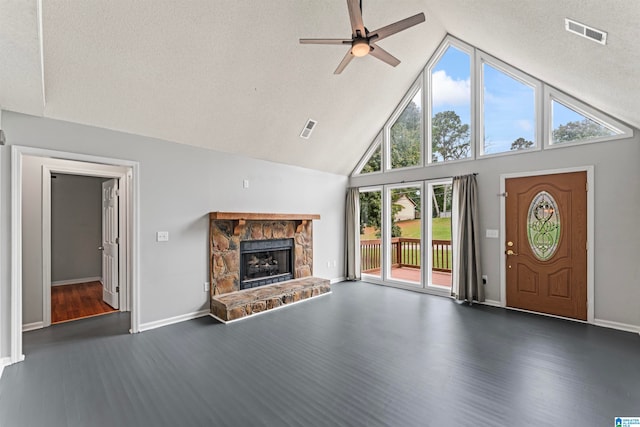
585 31
308 128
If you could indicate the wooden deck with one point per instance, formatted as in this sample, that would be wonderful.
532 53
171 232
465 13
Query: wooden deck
413 275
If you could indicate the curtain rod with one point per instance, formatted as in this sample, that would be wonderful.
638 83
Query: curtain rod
402 182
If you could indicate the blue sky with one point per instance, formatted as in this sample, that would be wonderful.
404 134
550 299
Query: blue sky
508 104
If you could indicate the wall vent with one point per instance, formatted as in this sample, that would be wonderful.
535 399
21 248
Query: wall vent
308 128
585 31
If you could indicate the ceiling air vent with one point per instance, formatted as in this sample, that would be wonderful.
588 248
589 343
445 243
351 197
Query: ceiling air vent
308 128
585 31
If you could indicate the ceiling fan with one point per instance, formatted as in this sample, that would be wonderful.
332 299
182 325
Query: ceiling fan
363 41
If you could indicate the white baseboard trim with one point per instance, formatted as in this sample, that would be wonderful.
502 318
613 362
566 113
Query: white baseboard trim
5 361
337 280
491 303
75 281
226 322
32 326
171 320
617 325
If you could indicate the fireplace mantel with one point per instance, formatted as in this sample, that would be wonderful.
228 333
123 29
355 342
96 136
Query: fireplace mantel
256 216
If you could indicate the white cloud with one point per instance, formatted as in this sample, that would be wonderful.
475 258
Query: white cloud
447 91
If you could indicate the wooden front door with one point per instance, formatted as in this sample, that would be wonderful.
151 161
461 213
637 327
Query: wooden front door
546 244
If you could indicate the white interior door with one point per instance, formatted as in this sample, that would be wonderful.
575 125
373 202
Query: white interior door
110 237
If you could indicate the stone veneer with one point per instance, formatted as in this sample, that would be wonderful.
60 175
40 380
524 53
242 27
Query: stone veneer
236 305
225 236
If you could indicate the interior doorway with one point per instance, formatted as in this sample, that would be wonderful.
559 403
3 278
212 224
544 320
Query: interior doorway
546 262
127 172
84 219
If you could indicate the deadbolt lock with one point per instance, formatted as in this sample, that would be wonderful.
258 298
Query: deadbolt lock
509 243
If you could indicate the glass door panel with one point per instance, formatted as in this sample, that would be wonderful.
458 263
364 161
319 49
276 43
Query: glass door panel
405 233
370 232
440 247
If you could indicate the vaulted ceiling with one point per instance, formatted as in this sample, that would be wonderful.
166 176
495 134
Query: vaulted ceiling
231 76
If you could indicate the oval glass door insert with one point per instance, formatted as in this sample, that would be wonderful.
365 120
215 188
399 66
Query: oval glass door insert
543 226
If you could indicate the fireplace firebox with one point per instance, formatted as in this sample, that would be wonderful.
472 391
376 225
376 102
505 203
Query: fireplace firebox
263 262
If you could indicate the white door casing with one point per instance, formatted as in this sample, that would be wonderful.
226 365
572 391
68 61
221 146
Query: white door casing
110 242
128 172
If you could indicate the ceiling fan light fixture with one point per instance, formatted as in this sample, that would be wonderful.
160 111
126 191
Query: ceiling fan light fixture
360 48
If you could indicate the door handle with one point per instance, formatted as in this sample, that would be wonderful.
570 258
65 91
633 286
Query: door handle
101 248
510 252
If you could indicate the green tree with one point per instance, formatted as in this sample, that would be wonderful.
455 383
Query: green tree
405 137
578 130
450 138
373 164
521 143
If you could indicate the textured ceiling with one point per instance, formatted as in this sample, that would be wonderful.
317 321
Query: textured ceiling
230 75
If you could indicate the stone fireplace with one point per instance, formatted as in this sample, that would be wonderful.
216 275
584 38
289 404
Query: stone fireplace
248 250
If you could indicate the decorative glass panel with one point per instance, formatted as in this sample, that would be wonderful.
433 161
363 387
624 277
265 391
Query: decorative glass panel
543 226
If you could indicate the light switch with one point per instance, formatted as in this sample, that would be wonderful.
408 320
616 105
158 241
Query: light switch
492 234
245 183
162 236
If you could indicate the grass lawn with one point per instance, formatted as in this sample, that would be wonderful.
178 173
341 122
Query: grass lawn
441 229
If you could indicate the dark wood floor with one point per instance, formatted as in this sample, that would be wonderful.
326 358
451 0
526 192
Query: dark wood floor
365 355
71 302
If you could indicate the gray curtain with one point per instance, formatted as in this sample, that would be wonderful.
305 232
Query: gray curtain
352 235
467 276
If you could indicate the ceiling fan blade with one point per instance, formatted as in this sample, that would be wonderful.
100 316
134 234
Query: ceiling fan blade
324 41
396 27
383 55
355 16
345 61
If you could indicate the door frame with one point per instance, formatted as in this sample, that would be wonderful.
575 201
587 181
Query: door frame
92 170
132 182
425 251
590 235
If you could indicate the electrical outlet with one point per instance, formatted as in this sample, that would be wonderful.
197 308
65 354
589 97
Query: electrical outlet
329 264
162 236
485 279
206 286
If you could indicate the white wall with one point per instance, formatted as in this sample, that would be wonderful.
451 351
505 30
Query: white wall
179 186
617 203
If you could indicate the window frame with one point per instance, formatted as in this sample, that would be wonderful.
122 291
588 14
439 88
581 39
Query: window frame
449 41
553 94
386 130
378 141
537 86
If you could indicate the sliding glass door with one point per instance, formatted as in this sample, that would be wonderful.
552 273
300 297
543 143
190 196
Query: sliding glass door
406 234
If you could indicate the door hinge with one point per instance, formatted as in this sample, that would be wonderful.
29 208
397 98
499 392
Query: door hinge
586 246
505 194
117 289
117 240
118 193
586 186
